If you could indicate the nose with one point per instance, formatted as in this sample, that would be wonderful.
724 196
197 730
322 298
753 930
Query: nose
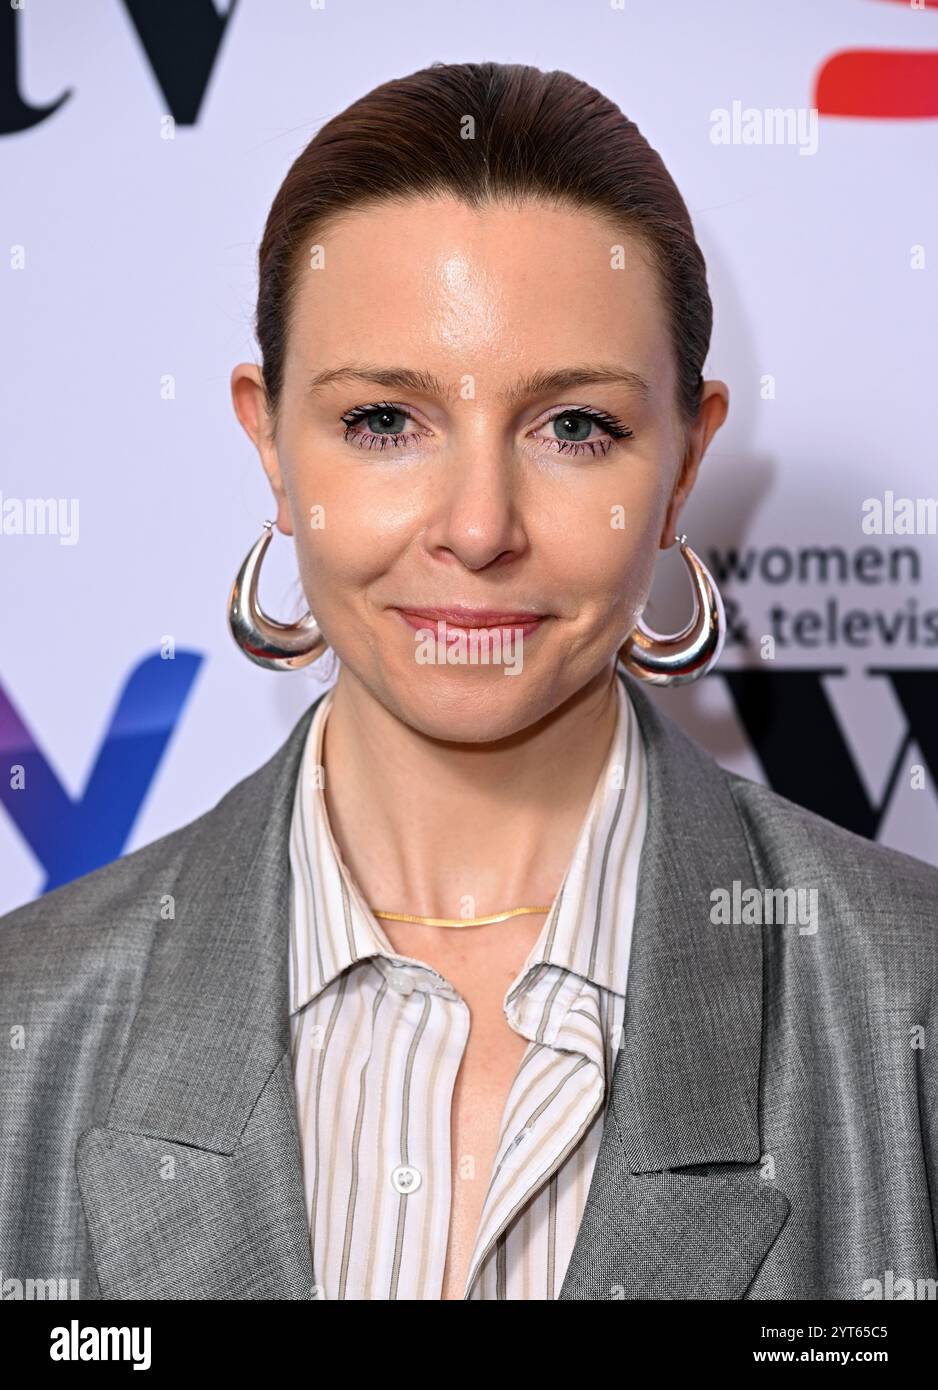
475 510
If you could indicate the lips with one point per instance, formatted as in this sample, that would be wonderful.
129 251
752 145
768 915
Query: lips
475 617
469 619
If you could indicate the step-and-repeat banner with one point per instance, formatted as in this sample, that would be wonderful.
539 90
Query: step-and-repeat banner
141 146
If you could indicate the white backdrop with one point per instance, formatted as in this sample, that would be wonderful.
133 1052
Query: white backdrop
128 296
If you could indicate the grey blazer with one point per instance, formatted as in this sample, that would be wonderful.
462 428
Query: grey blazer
772 1130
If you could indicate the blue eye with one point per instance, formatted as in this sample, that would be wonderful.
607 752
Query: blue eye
384 424
385 419
575 426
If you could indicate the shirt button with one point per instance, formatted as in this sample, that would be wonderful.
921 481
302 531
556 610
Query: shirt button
401 981
406 1179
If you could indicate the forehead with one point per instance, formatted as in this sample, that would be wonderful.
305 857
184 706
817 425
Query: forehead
436 284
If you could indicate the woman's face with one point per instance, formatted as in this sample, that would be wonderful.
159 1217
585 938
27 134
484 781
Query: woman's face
453 434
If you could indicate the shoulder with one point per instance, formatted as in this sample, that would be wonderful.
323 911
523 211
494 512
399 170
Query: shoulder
97 928
73 966
858 880
105 921
867 887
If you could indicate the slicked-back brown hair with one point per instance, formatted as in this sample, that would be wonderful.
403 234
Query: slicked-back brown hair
540 135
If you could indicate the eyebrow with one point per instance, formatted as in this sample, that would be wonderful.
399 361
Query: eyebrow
536 384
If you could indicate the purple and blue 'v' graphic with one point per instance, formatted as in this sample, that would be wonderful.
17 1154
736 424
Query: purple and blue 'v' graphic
70 838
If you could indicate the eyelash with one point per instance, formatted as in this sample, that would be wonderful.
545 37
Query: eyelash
365 439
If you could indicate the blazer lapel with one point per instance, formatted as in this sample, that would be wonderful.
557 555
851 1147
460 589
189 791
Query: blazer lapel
678 1206
193 1187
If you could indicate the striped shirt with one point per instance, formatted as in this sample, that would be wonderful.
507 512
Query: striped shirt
377 1040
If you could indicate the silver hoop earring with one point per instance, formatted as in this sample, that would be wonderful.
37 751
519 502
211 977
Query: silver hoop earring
278 646
680 657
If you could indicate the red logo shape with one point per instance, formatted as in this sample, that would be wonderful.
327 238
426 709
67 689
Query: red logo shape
879 82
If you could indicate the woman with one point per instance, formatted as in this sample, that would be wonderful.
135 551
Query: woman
483 986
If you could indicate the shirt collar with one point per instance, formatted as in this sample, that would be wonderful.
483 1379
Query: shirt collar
588 930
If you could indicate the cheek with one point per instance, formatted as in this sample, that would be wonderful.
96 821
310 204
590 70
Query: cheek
608 545
353 494
355 540
610 570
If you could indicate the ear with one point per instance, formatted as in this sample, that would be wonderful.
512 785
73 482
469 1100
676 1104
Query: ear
250 404
714 406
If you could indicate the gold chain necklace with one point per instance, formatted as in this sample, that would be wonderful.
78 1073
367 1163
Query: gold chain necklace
460 921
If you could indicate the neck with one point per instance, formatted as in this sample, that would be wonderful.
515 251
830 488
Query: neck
423 824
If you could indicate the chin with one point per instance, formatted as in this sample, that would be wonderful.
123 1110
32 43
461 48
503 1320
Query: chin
467 706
